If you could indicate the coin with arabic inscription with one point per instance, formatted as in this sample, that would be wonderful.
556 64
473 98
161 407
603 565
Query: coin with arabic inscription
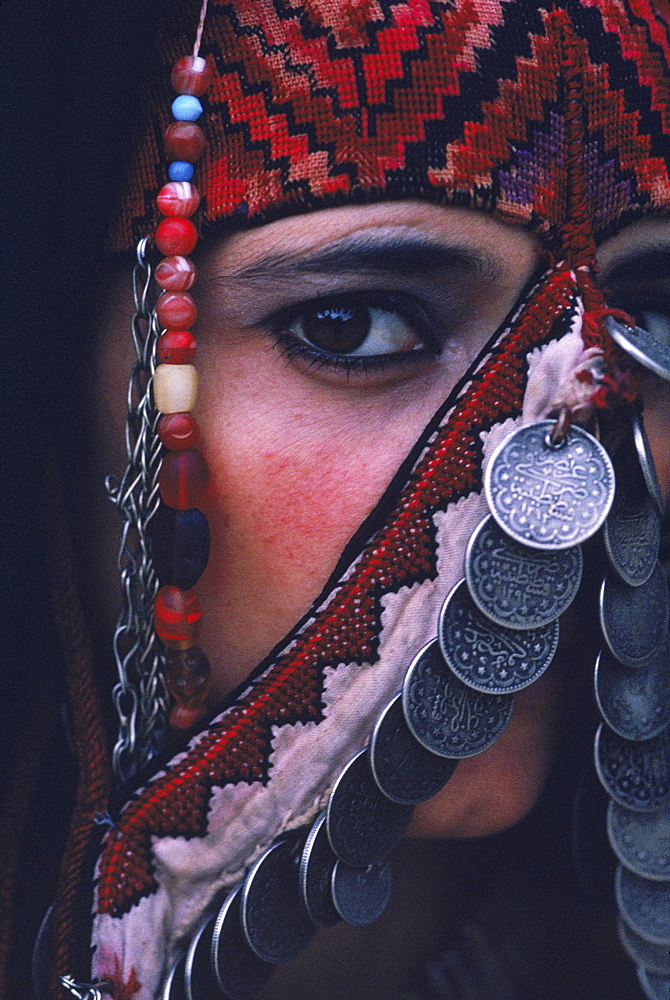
488 657
646 460
316 872
641 841
238 970
654 957
361 894
363 825
642 345
632 530
644 905
634 774
275 921
519 587
655 987
403 769
446 716
635 703
549 497
634 620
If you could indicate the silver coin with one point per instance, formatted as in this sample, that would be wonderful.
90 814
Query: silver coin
275 921
238 970
632 530
363 825
199 978
641 345
644 905
316 871
549 497
655 987
654 957
641 841
174 987
634 774
646 460
634 703
402 768
361 894
446 716
518 587
634 620
486 656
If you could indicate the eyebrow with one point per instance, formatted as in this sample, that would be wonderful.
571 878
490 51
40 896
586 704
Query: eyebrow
649 263
374 255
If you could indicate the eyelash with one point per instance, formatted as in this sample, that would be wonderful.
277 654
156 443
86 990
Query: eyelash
412 311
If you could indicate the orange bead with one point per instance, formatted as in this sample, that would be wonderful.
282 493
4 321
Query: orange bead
176 347
176 236
176 311
191 75
177 617
177 274
178 198
184 141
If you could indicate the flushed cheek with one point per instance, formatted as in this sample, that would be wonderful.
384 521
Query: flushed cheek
291 481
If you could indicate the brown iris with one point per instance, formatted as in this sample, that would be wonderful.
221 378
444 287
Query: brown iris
336 328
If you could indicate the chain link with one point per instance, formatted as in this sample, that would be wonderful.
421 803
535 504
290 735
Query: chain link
85 991
140 696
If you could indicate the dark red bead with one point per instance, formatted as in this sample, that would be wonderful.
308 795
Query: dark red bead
188 676
184 717
176 347
191 75
184 141
177 274
183 478
178 430
176 310
177 617
178 198
175 236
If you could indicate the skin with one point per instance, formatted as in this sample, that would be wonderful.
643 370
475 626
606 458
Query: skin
293 446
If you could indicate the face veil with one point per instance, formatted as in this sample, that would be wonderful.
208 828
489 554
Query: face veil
554 117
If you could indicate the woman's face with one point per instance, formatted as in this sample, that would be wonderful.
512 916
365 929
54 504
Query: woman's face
325 344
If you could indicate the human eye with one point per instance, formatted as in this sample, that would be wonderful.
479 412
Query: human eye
356 331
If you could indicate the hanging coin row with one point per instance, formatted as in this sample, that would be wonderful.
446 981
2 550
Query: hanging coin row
456 701
632 686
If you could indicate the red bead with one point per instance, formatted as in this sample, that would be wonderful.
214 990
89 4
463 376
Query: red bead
184 141
191 75
183 717
176 310
178 430
177 617
175 236
177 274
176 347
178 198
188 676
183 478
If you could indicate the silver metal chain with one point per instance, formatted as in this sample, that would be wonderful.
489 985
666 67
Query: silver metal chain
140 696
84 991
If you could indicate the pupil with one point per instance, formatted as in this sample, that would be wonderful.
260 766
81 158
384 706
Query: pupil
338 329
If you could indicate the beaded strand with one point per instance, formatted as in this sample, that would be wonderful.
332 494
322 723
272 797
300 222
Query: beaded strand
180 532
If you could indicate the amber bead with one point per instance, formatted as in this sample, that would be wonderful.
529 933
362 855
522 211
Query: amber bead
175 388
188 676
184 717
178 430
184 141
177 617
176 274
183 478
176 311
175 235
191 75
178 198
176 347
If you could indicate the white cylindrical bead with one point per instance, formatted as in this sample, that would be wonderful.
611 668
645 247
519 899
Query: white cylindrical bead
175 388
